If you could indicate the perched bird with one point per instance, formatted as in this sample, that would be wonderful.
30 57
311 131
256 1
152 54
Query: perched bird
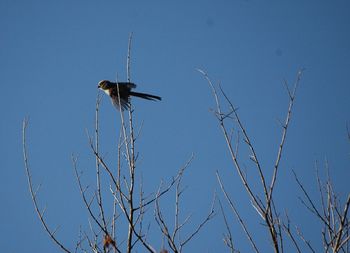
124 88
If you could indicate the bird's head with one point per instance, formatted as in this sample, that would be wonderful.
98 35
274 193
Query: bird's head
103 85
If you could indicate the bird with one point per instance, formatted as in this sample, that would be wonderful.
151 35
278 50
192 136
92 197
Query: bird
124 89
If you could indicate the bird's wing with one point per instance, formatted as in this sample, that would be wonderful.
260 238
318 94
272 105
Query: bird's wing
124 102
126 85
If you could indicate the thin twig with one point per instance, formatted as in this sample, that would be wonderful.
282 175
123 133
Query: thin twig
34 195
174 240
305 241
290 234
82 192
340 232
228 240
313 208
284 134
244 227
98 176
221 116
209 217
128 61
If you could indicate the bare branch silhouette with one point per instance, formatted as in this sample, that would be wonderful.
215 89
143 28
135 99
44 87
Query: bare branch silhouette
175 242
265 208
335 222
235 211
33 193
228 239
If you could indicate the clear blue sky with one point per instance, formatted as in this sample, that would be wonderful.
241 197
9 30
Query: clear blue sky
53 53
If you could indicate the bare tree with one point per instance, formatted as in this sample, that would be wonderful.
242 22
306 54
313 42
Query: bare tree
335 235
130 203
263 206
124 230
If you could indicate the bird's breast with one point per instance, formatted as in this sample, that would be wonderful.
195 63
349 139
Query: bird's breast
107 91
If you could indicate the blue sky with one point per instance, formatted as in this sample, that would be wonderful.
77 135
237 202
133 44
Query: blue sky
53 53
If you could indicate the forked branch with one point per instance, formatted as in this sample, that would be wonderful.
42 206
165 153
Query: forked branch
173 238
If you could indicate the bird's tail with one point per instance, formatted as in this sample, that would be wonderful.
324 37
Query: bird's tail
145 96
